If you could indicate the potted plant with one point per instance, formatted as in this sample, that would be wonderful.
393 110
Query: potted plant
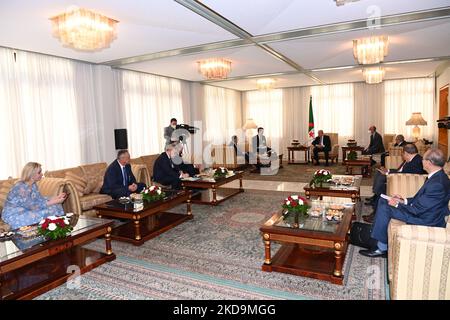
54 228
152 193
320 176
295 207
220 172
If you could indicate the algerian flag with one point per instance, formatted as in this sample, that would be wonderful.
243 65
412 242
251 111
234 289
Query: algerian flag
311 121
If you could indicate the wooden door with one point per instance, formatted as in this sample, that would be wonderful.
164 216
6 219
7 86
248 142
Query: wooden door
443 112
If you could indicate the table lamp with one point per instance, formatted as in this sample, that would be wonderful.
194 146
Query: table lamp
416 121
248 127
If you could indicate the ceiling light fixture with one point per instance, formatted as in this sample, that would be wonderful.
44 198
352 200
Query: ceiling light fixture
83 29
374 75
370 50
213 69
265 83
342 2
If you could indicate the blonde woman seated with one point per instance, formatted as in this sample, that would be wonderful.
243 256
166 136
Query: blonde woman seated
24 205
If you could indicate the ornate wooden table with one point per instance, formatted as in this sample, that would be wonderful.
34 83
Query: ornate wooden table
31 266
292 149
346 149
148 222
364 162
211 193
335 190
315 249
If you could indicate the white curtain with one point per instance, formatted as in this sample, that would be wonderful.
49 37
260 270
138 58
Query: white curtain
39 116
265 107
402 98
333 109
149 102
222 114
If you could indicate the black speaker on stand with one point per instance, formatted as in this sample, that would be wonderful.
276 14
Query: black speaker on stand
121 139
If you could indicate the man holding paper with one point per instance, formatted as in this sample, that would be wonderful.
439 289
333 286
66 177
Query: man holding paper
428 207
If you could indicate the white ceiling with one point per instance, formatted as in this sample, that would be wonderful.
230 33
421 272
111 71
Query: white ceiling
150 26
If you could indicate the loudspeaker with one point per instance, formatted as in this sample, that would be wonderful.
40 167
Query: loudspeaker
121 139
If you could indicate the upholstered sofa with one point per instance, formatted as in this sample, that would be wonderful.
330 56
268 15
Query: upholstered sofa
48 187
87 181
137 165
334 153
418 256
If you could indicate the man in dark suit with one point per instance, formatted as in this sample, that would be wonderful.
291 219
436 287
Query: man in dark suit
259 143
428 207
119 180
412 163
399 142
321 143
168 131
166 170
376 142
237 151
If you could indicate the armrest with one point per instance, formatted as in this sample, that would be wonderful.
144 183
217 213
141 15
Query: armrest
50 187
335 149
141 174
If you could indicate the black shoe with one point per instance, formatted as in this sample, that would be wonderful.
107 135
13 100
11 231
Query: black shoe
373 253
369 218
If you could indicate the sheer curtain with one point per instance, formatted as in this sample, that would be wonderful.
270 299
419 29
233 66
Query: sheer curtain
266 109
222 114
402 98
39 118
149 102
333 108
295 115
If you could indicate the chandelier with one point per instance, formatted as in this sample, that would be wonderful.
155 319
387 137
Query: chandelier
265 83
213 69
370 50
83 29
373 75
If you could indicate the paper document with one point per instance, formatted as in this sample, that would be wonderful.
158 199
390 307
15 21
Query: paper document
386 197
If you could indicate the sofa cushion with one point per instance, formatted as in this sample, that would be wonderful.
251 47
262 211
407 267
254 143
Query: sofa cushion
78 182
94 174
5 186
93 199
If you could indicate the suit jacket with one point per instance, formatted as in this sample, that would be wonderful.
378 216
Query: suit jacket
168 134
430 204
165 172
376 144
414 166
113 181
259 144
326 142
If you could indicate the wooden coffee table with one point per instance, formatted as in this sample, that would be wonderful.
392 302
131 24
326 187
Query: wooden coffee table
316 249
363 162
32 266
291 151
211 193
148 222
333 190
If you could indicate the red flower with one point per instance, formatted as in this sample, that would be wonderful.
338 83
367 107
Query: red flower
294 203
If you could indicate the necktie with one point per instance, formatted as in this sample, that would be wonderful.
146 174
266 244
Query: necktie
401 166
124 177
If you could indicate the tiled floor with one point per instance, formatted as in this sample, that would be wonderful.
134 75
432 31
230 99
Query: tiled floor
282 186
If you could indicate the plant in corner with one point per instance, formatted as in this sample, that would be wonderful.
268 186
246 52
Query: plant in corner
152 193
295 207
54 228
320 176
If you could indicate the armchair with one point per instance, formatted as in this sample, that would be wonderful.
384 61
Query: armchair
334 153
393 162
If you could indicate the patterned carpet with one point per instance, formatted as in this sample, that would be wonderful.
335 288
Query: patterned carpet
217 255
300 173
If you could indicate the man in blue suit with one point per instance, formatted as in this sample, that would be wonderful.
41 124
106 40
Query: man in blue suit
412 163
428 207
119 180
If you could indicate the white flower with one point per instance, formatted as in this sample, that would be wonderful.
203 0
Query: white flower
288 202
52 226
152 188
158 191
42 221
300 202
52 217
146 191
66 221
69 214
295 197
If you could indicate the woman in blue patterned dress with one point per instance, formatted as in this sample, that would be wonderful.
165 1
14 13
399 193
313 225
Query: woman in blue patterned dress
24 205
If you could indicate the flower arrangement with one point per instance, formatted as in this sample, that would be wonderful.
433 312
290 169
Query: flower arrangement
352 155
152 193
220 172
54 227
295 206
320 176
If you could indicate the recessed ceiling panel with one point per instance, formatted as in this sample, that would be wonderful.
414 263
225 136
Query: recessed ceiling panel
269 16
144 27
244 61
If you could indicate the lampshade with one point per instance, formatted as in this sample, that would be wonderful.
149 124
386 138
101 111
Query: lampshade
83 29
213 69
250 124
416 120
370 50
265 83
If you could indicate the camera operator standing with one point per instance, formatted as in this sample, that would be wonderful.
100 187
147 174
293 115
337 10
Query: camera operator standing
168 131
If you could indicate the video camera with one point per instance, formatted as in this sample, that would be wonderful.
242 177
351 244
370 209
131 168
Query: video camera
187 130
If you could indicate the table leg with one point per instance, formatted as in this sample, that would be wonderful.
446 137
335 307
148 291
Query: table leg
308 194
289 156
137 229
241 187
188 206
353 197
108 241
214 192
347 171
338 259
268 258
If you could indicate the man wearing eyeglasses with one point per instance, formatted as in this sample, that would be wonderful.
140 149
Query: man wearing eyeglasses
428 207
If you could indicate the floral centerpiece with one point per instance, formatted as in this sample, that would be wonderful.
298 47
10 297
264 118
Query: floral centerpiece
220 172
295 206
352 155
55 228
320 176
152 193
